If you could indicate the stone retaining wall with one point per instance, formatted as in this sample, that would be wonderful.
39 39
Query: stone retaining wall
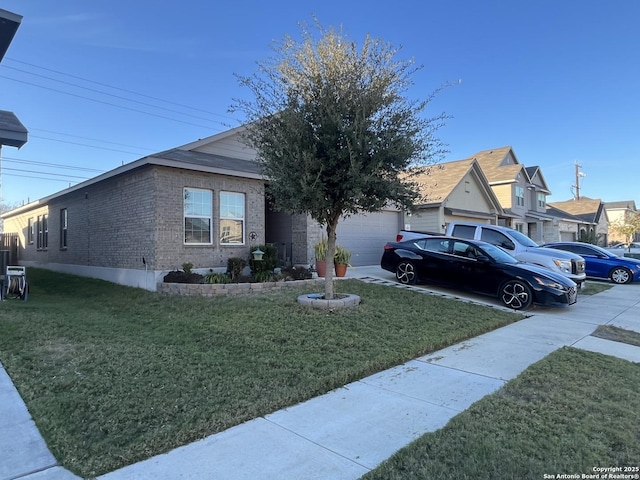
215 289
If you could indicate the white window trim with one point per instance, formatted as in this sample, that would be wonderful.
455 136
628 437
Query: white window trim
520 198
243 219
185 216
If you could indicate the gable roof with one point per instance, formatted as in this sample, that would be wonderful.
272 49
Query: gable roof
536 173
624 204
441 180
562 215
587 209
497 166
209 162
175 158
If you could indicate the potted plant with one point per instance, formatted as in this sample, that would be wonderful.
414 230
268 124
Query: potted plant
341 261
320 250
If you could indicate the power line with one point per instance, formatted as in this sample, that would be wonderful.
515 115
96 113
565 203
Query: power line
106 103
45 173
89 138
47 164
36 178
84 145
121 89
110 94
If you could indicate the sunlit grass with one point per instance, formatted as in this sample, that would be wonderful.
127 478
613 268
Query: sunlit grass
567 414
113 375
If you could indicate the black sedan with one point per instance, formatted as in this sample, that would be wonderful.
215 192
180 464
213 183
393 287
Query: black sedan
479 267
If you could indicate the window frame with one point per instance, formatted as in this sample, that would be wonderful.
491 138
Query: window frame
64 228
520 196
43 232
186 216
222 218
30 231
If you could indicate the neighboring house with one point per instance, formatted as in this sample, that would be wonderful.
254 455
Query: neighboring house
616 211
594 224
200 203
491 186
522 192
453 191
564 226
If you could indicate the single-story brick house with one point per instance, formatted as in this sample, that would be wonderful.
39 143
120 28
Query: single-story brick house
593 217
200 203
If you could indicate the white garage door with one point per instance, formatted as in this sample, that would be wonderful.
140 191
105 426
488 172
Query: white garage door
567 237
365 235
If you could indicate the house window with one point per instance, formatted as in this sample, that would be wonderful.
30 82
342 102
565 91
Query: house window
43 232
520 196
30 231
519 227
231 218
63 228
197 216
542 201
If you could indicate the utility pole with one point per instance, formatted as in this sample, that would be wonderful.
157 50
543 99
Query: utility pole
579 175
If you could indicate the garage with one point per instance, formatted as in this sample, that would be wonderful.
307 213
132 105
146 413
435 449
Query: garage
365 235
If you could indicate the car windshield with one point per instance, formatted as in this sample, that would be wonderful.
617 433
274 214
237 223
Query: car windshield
522 239
497 254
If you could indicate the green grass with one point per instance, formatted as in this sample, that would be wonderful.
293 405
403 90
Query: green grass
567 414
617 334
591 288
113 375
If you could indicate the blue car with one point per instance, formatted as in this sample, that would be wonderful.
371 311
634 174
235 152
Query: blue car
601 263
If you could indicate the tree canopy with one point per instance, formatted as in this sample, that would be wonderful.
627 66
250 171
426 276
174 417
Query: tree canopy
627 226
334 131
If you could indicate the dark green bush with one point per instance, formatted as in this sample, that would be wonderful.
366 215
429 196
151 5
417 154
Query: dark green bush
235 265
217 277
267 264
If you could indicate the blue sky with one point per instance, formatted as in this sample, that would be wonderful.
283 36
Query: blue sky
103 83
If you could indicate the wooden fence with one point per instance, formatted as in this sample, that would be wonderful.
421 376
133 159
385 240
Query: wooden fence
9 241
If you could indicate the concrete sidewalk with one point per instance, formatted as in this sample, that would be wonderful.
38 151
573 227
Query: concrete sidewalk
349 431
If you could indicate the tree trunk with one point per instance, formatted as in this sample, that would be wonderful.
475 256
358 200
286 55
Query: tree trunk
331 251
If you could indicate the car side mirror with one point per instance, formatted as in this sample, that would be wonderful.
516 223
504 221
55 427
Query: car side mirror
508 245
483 258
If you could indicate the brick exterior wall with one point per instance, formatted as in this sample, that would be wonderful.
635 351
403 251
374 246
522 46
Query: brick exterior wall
117 222
171 252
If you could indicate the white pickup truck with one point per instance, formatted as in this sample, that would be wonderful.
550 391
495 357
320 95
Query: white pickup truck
517 244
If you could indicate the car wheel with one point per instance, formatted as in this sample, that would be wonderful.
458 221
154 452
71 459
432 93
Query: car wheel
406 273
516 294
620 275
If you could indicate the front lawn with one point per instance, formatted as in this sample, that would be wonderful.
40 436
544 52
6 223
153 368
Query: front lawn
566 415
113 375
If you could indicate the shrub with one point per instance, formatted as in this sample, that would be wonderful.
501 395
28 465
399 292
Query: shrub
263 276
235 266
186 268
267 264
217 277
